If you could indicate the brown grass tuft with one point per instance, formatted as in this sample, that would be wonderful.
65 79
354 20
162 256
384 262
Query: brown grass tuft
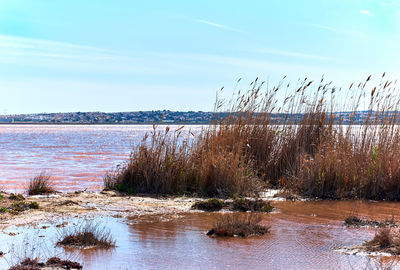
52 263
40 184
86 234
385 240
242 225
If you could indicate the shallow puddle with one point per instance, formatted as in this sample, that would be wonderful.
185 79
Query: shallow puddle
304 235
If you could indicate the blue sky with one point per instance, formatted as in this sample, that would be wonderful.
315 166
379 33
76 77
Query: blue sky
127 55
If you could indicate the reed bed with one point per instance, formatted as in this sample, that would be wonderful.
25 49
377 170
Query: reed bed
311 138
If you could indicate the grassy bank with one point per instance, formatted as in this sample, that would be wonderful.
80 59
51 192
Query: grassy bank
284 136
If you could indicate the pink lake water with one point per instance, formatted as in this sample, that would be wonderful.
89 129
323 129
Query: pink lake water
304 235
76 156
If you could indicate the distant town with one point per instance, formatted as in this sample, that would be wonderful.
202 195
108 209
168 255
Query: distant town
139 117
158 117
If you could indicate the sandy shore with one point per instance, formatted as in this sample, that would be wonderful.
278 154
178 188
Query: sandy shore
90 204
62 206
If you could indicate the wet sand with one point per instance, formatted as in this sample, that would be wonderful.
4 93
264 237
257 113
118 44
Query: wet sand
92 204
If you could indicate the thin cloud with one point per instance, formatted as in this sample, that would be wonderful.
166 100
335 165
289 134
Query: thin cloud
220 26
40 43
366 12
339 31
20 46
390 3
326 28
298 55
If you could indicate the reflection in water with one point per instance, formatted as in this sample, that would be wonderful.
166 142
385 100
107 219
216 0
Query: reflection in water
304 235
77 156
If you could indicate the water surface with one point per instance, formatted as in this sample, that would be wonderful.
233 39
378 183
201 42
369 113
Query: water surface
304 235
76 156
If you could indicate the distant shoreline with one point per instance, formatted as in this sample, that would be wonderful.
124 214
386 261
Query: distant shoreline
100 124
149 124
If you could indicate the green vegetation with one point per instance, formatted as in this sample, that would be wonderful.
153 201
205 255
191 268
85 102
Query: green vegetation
238 204
244 205
242 225
309 150
22 206
16 197
212 204
19 206
40 184
34 205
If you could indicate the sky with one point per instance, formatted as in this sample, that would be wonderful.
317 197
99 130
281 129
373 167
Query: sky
128 55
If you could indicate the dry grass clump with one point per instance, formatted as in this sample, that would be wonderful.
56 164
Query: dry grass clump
212 204
16 197
86 234
65 264
22 206
242 225
355 221
40 184
238 204
313 139
385 240
244 205
52 263
287 195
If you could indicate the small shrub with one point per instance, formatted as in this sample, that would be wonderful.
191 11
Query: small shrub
3 209
382 239
19 206
242 225
87 234
244 205
34 205
65 264
354 221
385 240
52 263
267 208
40 184
16 197
287 194
238 204
213 204
22 206
28 264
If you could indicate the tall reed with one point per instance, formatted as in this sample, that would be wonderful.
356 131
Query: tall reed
311 138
